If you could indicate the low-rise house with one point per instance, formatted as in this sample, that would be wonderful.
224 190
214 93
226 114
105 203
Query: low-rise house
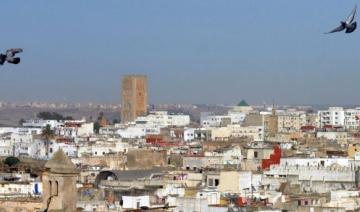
235 182
162 119
20 189
291 121
13 185
135 202
74 128
40 123
354 151
212 179
215 121
189 134
340 137
193 162
229 155
313 178
21 130
256 133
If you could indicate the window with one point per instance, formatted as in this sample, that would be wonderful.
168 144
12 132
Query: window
216 182
211 182
50 187
56 188
255 154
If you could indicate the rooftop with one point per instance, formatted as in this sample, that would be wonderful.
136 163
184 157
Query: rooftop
243 103
60 163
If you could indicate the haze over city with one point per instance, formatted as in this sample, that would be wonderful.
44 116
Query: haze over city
191 51
179 106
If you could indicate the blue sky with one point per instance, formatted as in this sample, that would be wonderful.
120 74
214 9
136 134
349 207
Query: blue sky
192 51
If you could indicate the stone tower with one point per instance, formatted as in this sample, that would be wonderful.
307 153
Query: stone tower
271 123
134 97
59 184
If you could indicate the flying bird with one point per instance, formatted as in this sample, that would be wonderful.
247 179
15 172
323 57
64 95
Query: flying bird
349 25
9 56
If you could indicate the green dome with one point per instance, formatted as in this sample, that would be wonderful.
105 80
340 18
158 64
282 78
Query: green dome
243 103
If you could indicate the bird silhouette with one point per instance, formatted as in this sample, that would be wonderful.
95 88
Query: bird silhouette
9 56
349 25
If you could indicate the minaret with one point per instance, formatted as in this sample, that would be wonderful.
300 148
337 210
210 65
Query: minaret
273 110
59 184
273 122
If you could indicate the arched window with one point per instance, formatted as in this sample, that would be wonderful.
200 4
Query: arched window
56 189
50 187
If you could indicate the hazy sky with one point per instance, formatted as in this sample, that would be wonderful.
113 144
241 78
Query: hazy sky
192 51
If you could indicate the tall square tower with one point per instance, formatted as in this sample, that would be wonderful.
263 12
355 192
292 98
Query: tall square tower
134 97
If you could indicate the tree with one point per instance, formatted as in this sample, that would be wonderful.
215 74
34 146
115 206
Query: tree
69 118
101 115
96 127
47 133
21 121
11 161
52 116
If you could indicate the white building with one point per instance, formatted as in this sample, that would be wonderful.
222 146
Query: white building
37 148
17 138
39 123
132 132
73 129
147 125
215 121
236 116
21 130
337 116
163 119
20 189
314 162
254 132
318 179
230 156
69 149
352 118
102 148
135 202
340 137
189 134
291 121
6 145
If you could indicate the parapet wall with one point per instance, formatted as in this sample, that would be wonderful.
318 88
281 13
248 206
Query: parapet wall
304 173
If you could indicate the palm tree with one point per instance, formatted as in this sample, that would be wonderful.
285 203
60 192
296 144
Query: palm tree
47 133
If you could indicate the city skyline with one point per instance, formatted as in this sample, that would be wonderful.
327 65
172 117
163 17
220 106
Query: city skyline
192 52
